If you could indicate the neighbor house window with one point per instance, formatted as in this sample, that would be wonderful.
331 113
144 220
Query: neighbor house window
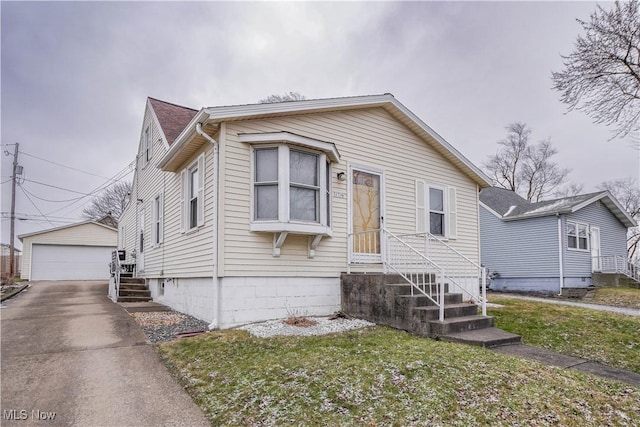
192 203
578 236
157 220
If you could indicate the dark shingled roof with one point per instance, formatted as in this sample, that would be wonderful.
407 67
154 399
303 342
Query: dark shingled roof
510 206
173 118
501 199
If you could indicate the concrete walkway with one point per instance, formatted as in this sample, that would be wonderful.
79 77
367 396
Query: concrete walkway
568 362
67 349
611 309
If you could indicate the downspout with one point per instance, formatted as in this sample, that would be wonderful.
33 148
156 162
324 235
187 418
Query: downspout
215 322
560 253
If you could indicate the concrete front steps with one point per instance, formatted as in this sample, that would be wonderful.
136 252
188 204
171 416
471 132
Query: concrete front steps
387 300
133 290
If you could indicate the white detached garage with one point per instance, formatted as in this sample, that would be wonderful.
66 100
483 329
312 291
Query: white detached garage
73 252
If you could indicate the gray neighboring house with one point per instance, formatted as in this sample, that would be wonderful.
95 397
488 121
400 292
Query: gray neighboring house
552 245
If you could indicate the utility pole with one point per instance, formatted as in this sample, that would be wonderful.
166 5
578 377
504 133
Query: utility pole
13 213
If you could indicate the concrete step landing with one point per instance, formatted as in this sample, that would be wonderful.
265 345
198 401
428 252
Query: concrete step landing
487 337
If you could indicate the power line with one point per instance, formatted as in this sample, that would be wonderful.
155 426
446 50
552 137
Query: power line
54 186
52 201
117 177
34 205
60 164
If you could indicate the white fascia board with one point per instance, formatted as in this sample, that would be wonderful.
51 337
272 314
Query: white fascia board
614 206
35 233
496 214
481 176
329 148
241 111
184 137
238 112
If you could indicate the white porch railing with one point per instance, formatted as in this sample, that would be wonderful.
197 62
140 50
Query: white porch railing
365 247
424 261
460 271
618 264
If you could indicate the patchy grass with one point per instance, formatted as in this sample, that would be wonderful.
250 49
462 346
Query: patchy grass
618 297
381 376
603 337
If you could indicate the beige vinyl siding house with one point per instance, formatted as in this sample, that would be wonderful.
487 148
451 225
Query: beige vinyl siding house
277 193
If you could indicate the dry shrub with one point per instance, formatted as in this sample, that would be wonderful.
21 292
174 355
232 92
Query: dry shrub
300 321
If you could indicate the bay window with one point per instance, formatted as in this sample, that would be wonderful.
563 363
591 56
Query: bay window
291 179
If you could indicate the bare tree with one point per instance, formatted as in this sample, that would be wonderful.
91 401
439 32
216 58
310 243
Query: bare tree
569 190
109 205
627 192
523 167
602 75
287 97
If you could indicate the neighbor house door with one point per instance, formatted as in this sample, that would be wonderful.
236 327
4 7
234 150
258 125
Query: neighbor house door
366 204
595 249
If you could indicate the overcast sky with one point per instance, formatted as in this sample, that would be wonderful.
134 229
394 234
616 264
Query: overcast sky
75 77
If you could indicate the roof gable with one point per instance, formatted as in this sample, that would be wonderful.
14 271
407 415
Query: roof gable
64 227
513 207
216 115
172 118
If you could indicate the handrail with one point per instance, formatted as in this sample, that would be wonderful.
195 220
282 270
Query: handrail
460 270
416 269
423 260
618 264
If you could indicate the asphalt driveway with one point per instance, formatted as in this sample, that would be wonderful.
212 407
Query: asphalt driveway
67 349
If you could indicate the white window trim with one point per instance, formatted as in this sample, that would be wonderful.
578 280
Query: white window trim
576 224
157 220
185 204
284 223
450 205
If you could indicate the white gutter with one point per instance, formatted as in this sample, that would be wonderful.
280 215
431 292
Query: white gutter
215 322
560 257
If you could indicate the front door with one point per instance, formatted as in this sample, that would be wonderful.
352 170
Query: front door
595 249
141 243
366 215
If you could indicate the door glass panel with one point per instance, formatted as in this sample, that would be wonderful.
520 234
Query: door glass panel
366 212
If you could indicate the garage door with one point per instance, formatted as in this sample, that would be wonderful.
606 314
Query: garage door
61 262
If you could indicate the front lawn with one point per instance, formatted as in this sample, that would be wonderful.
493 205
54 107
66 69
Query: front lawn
618 297
599 336
381 376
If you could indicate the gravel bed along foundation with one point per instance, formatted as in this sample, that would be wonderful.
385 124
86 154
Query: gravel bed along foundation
161 326
323 326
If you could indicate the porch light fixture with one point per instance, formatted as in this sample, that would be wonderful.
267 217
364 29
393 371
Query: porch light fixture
341 176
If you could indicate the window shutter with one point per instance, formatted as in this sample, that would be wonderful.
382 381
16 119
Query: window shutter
421 207
161 219
453 213
201 190
183 203
154 216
